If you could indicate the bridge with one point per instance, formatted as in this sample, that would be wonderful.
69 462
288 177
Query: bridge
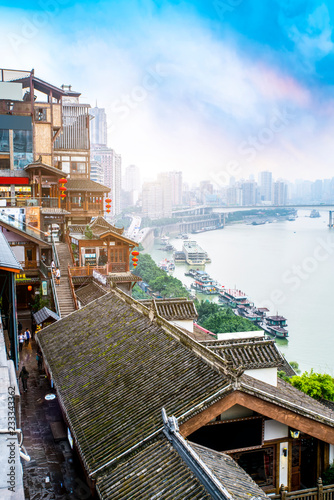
206 213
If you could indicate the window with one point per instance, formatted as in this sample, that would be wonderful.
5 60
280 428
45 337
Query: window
40 114
4 140
78 167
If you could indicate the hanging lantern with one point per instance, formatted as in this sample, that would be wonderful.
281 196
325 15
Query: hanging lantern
134 264
29 288
108 206
108 211
135 253
134 259
62 188
108 200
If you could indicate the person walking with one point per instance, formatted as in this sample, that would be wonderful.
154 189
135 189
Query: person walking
58 276
24 375
39 358
21 341
53 267
27 336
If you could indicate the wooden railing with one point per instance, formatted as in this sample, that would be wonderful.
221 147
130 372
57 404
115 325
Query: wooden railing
320 492
87 270
76 305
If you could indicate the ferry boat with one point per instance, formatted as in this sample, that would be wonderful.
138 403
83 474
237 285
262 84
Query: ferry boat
179 256
195 255
204 283
234 298
166 265
276 325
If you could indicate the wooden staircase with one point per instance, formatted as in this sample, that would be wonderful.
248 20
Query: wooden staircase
64 294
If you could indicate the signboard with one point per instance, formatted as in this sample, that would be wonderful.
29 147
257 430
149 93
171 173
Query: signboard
20 277
32 217
44 287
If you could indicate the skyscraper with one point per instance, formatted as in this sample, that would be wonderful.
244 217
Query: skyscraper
98 126
176 185
266 186
280 193
111 163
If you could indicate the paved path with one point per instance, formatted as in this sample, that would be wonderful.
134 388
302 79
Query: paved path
54 471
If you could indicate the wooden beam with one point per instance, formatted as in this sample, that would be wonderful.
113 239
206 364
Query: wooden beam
288 417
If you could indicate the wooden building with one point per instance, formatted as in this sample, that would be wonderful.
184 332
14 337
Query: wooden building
225 397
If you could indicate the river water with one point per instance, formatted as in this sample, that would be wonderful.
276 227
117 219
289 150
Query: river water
287 266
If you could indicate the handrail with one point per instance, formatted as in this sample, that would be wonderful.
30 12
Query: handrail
55 296
76 305
54 252
44 268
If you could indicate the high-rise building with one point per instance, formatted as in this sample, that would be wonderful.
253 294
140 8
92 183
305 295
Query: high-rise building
249 193
98 126
111 163
96 172
266 186
280 192
176 185
157 197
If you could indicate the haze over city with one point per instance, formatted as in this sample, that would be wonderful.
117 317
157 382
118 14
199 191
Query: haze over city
213 89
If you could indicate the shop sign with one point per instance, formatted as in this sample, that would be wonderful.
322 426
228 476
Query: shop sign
44 288
20 277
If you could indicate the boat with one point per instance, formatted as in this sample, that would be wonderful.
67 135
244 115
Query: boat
195 255
234 298
314 214
166 265
179 256
276 326
164 240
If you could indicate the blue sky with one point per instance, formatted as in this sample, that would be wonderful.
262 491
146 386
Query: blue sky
216 89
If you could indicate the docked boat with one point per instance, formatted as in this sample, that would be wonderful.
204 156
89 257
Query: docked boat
166 265
179 256
195 255
234 298
314 214
276 326
164 240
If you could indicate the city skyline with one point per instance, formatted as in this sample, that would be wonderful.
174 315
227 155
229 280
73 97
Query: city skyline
226 87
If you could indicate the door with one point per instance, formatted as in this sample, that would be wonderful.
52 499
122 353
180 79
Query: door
295 464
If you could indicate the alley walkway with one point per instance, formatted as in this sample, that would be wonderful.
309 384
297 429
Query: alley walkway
53 472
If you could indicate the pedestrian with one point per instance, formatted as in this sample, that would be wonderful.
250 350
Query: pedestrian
57 276
27 336
33 328
21 341
24 375
53 267
19 327
39 358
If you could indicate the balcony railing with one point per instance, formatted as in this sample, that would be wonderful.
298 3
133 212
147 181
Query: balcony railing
29 202
320 492
22 226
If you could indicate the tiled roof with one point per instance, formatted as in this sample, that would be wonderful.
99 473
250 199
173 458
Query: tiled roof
44 314
175 309
7 258
256 352
157 471
86 185
237 482
101 222
114 369
90 292
287 396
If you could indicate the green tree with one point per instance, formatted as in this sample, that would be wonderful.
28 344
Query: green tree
221 320
316 385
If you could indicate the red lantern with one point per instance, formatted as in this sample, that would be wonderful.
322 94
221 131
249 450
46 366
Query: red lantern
108 206
135 253
108 200
108 211
62 180
29 288
63 195
134 264
63 188
134 259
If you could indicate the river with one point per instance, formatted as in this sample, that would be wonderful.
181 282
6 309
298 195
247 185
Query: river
287 266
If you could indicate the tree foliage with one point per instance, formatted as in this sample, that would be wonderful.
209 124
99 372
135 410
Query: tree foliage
221 320
316 385
158 280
